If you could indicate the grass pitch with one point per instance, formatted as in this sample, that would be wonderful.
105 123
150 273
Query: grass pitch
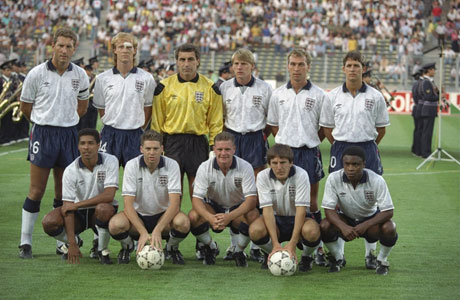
424 262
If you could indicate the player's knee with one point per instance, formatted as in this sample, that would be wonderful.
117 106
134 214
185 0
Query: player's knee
388 228
257 231
104 211
311 230
118 224
36 192
181 222
194 218
324 226
53 222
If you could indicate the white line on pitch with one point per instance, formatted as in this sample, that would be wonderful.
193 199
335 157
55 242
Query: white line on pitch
421 173
13 151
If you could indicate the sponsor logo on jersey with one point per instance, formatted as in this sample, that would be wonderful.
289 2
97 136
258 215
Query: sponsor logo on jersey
309 103
292 193
369 104
101 176
163 179
238 181
110 86
199 97
75 84
342 194
256 100
46 84
338 105
139 86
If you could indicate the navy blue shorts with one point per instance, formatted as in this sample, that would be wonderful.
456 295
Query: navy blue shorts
353 223
370 148
51 146
251 147
220 210
311 161
285 225
189 150
124 144
150 222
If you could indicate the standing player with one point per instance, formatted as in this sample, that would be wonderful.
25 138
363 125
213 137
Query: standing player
416 113
89 186
151 193
364 206
355 114
293 115
284 195
54 96
224 195
123 96
246 100
429 96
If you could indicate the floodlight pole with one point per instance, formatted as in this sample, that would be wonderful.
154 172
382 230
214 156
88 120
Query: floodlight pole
436 155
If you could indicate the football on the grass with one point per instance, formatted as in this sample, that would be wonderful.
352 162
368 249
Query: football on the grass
150 258
282 264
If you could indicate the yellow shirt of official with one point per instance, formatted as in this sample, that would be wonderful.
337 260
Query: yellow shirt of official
192 107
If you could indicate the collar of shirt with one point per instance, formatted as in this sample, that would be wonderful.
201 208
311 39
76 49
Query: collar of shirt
116 71
51 67
182 80
142 163
215 165
291 173
362 180
250 83
362 89
305 87
82 165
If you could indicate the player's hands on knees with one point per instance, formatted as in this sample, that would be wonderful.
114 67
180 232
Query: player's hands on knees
224 220
68 207
215 222
144 238
349 233
73 254
156 240
361 229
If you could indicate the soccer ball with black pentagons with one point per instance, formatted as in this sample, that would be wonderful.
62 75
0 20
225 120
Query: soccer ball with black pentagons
282 264
150 258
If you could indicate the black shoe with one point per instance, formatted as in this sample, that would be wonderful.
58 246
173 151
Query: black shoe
104 257
264 265
25 251
167 254
176 257
93 253
124 255
229 253
215 251
240 259
256 255
209 258
320 258
199 250
371 261
382 267
335 265
306 263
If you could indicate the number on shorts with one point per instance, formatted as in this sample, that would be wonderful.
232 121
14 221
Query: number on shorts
35 147
333 161
103 147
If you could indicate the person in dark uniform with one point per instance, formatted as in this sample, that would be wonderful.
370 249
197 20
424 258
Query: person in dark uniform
225 73
429 96
8 82
89 120
416 112
21 127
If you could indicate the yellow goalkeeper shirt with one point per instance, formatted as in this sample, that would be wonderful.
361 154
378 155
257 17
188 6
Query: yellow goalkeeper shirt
192 107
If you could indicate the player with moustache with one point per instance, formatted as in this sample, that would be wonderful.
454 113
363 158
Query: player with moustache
357 203
224 195
284 196
54 96
89 186
151 194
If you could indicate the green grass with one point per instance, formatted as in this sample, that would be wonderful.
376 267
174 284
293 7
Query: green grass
424 263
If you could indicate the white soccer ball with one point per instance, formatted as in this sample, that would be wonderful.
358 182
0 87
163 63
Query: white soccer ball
281 264
150 258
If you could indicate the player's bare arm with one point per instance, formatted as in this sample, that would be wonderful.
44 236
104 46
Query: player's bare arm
347 231
270 223
299 220
133 218
201 210
26 109
82 107
380 134
101 112
105 197
165 220
73 254
249 204
378 219
148 116
328 134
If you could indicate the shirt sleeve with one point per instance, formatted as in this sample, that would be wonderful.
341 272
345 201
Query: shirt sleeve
302 195
98 97
29 88
148 95
384 201
174 185
249 183
200 185
111 179
83 94
273 116
330 198
382 119
69 185
130 178
263 190
215 115
158 110
326 118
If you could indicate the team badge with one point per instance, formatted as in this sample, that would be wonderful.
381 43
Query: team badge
101 176
369 196
199 97
238 181
75 84
256 100
369 104
292 193
139 86
309 103
163 179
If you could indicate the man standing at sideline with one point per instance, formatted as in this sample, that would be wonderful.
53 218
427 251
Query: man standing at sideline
54 97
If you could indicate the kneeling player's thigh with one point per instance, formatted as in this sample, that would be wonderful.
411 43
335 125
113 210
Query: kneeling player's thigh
257 229
310 229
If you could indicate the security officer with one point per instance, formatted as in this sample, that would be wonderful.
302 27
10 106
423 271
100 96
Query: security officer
429 95
416 112
225 72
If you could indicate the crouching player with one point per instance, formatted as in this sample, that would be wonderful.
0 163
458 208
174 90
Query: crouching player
365 210
284 195
89 184
224 195
151 194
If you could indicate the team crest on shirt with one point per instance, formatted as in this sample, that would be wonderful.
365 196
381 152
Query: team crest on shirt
369 196
292 193
238 181
256 100
163 179
309 103
369 104
199 97
75 84
101 176
139 86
